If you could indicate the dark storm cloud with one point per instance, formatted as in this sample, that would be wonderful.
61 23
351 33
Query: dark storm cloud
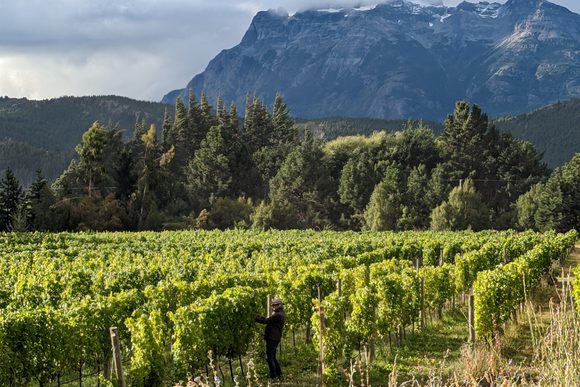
137 48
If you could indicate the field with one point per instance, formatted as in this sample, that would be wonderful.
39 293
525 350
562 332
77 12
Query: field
395 307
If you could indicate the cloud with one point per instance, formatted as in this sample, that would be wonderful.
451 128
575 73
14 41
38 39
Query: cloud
137 48
140 49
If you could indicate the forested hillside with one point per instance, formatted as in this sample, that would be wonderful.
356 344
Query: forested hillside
554 130
25 159
42 134
58 124
331 128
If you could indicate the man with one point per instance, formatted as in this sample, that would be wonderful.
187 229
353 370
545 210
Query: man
273 335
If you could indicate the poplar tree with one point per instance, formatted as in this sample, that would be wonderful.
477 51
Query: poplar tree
463 210
384 208
166 128
91 153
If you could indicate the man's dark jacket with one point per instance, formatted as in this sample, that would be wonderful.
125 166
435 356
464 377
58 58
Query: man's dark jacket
274 324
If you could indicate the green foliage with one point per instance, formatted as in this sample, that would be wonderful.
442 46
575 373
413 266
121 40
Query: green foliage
226 213
464 140
416 207
176 295
209 172
497 292
205 154
10 197
332 128
553 205
222 323
558 208
383 209
37 205
576 287
439 285
527 206
302 186
539 127
463 210
358 178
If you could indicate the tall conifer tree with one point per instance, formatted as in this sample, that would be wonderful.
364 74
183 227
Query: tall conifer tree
10 198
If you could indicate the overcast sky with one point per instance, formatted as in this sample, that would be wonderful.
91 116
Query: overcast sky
136 48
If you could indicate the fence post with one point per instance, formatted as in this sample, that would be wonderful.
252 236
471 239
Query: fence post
471 317
117 357
321 354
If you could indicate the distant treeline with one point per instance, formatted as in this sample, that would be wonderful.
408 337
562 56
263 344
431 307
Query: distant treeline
46 132
554 130
331 128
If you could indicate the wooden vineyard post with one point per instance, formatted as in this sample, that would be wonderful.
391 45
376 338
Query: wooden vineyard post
321 354
421 294
117 357
471 317
268 303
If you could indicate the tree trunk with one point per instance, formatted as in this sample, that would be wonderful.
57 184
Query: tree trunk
231 369
241 366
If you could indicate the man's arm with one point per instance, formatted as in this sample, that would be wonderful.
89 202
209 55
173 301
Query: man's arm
267 320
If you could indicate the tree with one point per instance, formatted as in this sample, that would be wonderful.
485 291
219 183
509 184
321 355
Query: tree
177 138
166 128
258 125
302 187
284 128
10 197
358 178
558 200
207 117
150 171
271 137
91 153
38 203
463 210
416 207
383 210
464 141
197 131
414 146
527 206
209 172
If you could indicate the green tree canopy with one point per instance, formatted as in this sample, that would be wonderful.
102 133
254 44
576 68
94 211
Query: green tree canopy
10 198
463 210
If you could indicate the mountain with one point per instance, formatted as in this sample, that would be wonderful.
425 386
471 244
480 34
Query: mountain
24 160
554 130
58 123
42 134
400 60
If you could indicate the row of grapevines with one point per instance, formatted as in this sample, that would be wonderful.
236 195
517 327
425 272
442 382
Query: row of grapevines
499 291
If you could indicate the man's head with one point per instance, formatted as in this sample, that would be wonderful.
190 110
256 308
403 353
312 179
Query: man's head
276 303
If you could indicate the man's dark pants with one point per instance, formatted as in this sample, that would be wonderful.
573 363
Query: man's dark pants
273 365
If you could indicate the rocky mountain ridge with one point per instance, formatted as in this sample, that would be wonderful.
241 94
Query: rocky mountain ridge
402 60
